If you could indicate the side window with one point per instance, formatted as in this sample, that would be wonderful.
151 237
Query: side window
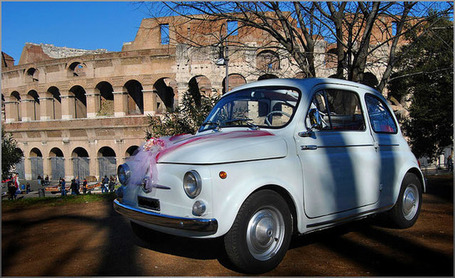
380 117
338 110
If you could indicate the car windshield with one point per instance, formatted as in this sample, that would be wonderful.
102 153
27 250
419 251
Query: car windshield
268 107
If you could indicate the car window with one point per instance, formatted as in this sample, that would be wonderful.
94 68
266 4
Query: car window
380 117
338 110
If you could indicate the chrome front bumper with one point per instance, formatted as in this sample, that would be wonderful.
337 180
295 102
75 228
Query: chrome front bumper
189 226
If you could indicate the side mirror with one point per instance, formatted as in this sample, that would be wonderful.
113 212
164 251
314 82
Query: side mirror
315 122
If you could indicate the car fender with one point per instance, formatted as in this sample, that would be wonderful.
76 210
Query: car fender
241 182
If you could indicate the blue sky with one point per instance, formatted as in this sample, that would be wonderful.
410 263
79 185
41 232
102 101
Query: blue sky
84 25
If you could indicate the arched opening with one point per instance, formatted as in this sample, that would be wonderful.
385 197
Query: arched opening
107 162
56 112
80 102
267 61
57 161
35 105
165 89
370 79
135 97
131 151
16 97
36 163
106 104
267 76
199 85
76 69
235 80
81 163
31 75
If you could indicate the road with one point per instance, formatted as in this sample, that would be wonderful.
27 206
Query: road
92 239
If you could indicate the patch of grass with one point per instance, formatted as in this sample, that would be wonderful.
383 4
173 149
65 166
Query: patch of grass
56 201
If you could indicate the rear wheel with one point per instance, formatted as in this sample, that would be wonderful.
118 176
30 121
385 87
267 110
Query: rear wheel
407 208
261 233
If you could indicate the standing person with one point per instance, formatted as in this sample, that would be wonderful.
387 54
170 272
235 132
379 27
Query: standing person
16 184
11 191
78 185
27 189
111 184
84 186
104 184
46 180
73 187
63 183
40 180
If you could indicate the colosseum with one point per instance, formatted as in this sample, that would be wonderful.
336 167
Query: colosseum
81 113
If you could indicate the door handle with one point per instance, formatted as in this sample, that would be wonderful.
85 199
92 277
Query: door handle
308 147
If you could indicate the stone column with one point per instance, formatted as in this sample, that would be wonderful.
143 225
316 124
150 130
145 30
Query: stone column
120 102
150 104
93 102
46 109
68 109
11 111
26 107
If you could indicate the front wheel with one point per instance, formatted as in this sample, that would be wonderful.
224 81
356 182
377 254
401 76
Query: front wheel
407 208
261 233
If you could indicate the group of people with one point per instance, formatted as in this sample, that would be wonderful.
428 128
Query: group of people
108 184
75 186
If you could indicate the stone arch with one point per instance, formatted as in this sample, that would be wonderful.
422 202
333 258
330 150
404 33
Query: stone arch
76 68
56 108
135 97
15 98
235 80
80 101
36 163
132 150
81 163
267 76
267 60
31 75
107 162
198 86
57 163
166 89
35 105
106 101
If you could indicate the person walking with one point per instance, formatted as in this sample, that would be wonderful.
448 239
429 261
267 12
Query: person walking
63 183
84 186
104 184
73 187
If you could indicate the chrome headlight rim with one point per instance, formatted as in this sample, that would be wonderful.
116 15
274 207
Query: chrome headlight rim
192 184
123 173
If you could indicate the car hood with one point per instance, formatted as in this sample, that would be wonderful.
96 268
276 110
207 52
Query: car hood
223 147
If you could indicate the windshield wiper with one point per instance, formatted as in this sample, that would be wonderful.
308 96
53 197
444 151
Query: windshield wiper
216 125
248 121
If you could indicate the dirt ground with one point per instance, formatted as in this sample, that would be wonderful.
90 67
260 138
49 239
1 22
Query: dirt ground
92 239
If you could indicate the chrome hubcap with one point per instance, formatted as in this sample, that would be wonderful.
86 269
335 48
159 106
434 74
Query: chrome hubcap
410 202
265 233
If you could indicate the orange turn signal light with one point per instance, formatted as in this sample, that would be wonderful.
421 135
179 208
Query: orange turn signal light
223 175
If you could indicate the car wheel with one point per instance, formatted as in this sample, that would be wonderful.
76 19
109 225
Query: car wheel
261 233
407 208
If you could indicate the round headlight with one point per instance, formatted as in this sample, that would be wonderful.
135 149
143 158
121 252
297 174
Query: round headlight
123 173
192 184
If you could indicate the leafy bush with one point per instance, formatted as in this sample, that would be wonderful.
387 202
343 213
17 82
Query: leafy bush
186 119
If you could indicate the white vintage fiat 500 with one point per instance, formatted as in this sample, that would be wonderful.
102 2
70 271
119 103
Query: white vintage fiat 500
275 158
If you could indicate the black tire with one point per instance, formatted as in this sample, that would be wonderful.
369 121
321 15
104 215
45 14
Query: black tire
407 208
261 233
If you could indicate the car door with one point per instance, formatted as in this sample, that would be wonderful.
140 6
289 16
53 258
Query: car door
338 156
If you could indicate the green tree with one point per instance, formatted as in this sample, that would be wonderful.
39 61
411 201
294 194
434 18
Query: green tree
186 119
425 78
10 153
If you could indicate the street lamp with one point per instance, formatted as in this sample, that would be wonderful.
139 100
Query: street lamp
223 60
